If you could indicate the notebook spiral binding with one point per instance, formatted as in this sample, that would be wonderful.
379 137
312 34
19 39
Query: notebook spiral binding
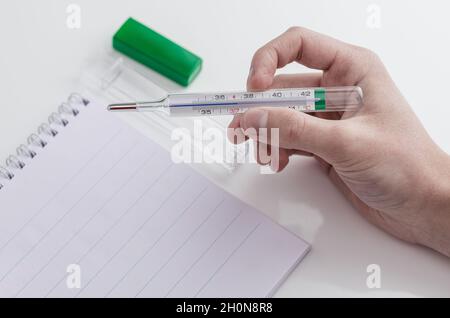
57 120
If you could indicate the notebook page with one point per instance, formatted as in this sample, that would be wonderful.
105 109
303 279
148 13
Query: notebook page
106 203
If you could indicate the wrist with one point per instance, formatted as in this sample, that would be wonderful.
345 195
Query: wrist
443 188
436 233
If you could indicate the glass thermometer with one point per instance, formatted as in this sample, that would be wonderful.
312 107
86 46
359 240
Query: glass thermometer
332 99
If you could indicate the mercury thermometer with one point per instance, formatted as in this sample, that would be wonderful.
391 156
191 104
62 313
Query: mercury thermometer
331 99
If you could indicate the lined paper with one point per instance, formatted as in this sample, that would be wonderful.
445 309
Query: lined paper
109 200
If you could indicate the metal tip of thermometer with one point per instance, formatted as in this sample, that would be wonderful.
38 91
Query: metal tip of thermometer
123 107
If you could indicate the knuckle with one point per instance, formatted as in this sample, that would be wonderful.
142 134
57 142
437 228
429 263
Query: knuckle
370 56
265 53
258 53
295 29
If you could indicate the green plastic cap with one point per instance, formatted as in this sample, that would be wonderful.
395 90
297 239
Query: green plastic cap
150 48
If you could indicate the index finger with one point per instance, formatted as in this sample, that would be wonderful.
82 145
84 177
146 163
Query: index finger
312 49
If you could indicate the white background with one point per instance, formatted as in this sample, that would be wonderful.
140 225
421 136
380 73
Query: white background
41 60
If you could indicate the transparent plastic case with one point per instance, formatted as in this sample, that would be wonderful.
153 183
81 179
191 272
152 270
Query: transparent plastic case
113 80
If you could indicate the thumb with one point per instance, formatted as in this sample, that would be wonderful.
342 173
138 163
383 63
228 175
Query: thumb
296 130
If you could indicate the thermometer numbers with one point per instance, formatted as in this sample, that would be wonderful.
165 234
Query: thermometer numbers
206 112
277 94
219 97
306 93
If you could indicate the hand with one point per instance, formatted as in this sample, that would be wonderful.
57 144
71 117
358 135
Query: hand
381 157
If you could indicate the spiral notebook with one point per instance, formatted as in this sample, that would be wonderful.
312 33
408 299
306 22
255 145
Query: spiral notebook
92 208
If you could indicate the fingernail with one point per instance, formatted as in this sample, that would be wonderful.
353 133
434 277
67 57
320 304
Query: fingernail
256 118
274 165
251 72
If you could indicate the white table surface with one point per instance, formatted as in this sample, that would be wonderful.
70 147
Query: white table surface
41 59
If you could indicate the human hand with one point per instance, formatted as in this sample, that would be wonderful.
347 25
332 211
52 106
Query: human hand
380 157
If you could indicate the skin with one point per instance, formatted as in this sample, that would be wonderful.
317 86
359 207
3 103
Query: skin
380 157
